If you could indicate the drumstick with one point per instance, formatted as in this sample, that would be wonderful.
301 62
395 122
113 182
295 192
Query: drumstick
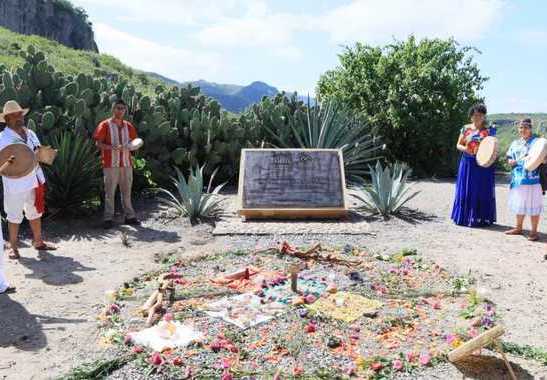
6 164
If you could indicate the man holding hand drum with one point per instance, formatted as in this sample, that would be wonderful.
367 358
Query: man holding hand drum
114 138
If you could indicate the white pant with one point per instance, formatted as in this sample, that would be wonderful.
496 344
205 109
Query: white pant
17 203
3 282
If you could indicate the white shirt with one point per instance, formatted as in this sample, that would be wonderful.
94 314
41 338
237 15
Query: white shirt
30 181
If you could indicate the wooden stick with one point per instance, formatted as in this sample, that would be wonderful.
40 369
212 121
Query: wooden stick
294 278
499 348
476 343
150 301
152 311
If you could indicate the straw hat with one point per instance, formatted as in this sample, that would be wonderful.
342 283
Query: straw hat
10 107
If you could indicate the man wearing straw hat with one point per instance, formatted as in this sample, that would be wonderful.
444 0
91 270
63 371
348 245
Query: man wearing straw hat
24 195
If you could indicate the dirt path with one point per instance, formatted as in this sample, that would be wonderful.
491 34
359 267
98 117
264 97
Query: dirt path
49 325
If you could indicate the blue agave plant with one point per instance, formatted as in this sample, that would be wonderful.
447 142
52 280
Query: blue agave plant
192 199
387 193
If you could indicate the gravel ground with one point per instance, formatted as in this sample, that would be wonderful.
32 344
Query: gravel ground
49 325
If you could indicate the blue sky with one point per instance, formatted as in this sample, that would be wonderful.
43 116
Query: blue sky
289 44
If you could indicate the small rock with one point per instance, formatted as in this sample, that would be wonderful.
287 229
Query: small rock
333 342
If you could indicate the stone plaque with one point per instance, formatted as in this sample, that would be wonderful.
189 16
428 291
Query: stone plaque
292 183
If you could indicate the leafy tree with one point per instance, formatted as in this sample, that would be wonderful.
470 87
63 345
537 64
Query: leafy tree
415 93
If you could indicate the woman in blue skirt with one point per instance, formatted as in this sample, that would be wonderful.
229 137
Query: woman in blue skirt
475 202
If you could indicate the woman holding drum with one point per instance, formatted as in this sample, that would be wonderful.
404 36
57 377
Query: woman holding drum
475 201
525 196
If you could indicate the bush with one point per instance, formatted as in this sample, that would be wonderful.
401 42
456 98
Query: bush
74 180
388 192
415 93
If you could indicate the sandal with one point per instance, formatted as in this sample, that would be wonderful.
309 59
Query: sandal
533 237
514 231
13 254
9 290
45 247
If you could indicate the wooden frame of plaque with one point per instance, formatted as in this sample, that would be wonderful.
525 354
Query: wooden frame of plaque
292 211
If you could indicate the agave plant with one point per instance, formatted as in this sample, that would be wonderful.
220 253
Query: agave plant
75 177
328 126
192 199
389 190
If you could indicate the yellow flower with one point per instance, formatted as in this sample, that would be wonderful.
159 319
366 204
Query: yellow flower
361 362
456 343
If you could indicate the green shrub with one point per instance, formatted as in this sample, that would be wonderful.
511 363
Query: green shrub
191 198
415 94
388 192
74 180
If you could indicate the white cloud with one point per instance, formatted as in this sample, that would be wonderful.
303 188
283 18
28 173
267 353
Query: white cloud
370 21
249 32
176 63
376 21
180 12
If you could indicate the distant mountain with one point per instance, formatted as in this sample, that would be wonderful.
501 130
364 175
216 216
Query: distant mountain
232 97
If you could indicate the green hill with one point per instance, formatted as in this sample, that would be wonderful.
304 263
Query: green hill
72 61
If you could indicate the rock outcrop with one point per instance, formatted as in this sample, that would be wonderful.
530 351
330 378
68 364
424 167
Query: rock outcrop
54 19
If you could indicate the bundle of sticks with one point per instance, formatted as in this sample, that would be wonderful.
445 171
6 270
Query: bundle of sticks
312 254
165 293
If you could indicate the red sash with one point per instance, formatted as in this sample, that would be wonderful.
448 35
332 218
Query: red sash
40 199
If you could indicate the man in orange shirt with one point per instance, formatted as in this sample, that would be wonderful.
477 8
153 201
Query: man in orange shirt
113 137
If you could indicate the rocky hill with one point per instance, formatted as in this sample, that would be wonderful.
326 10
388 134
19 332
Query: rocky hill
57 20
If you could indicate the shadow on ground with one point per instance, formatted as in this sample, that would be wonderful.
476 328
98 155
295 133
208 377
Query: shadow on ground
54 269
482 367
23 330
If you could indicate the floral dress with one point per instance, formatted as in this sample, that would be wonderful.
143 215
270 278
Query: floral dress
475 199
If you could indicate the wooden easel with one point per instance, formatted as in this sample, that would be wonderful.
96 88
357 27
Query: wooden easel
490 337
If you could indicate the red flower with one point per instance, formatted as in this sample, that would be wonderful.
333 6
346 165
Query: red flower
297 370
137 349
178 361
156 359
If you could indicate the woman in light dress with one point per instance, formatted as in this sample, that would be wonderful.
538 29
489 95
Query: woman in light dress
525 196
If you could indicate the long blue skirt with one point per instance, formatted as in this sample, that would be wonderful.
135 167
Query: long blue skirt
475 201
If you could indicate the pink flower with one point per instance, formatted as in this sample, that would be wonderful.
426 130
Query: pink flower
137 349
225 363
226 375
410 356
156 359
350 370
168 317
450 338
473 332
376 366
397 365
425 358
297 370
114 309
